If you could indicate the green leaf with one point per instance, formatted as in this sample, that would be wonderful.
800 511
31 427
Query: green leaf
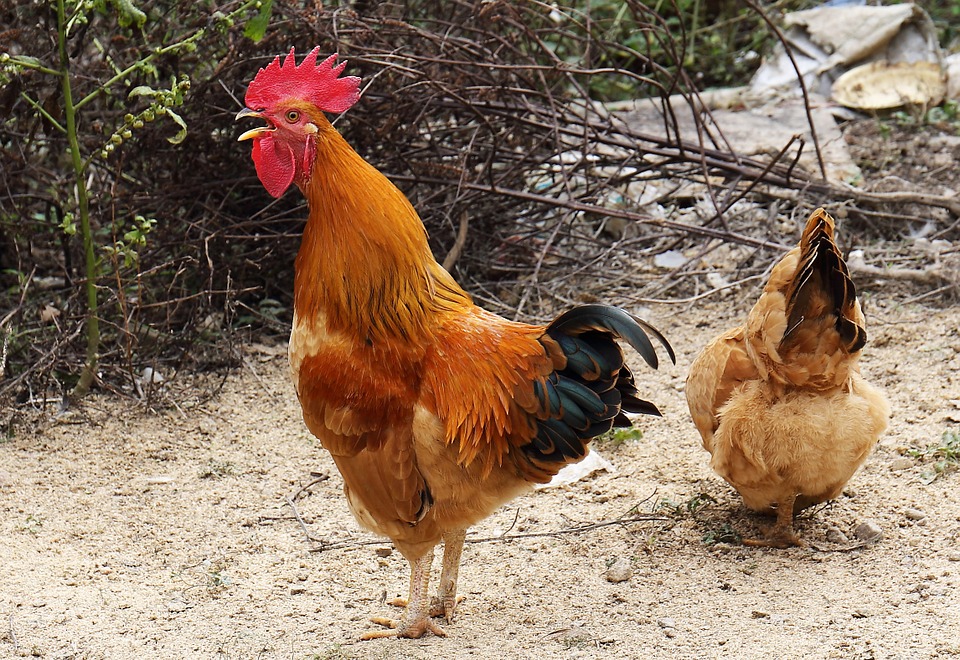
257 27
24 60
128 14
142 90
178 120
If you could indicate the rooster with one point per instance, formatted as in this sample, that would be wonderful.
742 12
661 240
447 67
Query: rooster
779 401
435 411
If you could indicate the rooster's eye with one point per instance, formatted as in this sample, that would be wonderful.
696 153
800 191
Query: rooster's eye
293 116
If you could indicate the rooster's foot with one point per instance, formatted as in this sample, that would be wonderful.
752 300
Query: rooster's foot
413 629
444 607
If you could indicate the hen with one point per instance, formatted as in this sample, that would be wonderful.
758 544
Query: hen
779 401
435 411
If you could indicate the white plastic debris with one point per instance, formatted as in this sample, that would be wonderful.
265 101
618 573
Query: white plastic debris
593 462
150 375
669 259
828 41
716 281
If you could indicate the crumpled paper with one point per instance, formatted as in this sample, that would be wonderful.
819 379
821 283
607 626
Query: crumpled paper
829 41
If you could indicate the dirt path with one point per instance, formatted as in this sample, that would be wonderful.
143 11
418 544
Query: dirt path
129 534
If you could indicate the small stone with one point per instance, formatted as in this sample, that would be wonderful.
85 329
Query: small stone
868 531
900 464
384 552
834 535
935 590
666 622
207 426
953 555
912 598
176 606
759 614
914 514
620 571
296 590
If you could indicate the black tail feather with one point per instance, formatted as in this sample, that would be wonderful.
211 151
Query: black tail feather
592 391
616 321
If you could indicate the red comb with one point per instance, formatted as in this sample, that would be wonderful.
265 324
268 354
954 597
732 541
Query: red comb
319 83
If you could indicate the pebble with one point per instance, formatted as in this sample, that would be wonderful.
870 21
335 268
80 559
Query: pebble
944 142
901 464
759 614
953 555
176 606
914 514
912 598
834 535
296 590
620 571
868 531
384 552
207 426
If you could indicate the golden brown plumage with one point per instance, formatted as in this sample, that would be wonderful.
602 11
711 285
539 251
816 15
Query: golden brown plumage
779 401
435 411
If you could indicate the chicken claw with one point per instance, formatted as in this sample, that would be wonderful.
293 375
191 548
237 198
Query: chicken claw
412 629
781 535
416 617
438 607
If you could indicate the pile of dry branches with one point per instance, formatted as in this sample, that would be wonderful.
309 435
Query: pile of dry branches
486 113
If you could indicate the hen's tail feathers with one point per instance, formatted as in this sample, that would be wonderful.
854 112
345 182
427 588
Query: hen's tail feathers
822 285
591 389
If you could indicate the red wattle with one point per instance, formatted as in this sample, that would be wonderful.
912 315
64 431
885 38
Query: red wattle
275 163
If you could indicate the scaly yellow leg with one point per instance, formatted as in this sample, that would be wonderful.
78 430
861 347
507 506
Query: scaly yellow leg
782 534
447 598
445 602
415 619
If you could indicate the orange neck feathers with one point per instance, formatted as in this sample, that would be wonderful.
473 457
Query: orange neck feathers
364 263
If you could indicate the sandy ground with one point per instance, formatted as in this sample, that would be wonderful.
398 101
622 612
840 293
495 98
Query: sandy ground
130 533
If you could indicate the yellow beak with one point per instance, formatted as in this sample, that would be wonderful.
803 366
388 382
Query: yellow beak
260 131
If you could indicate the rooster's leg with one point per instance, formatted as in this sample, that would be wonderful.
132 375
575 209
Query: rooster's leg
446 600
782 534
415 619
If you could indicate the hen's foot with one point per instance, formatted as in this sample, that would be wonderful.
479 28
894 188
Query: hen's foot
778 537
781 535
413 629
444 607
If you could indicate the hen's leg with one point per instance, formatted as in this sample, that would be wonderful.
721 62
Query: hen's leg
446 600
782 534
415 619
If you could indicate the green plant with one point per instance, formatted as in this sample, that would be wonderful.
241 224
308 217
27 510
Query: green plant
691 506
945 116
718 44
81 120
619 437
944 455
723 534
31 525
